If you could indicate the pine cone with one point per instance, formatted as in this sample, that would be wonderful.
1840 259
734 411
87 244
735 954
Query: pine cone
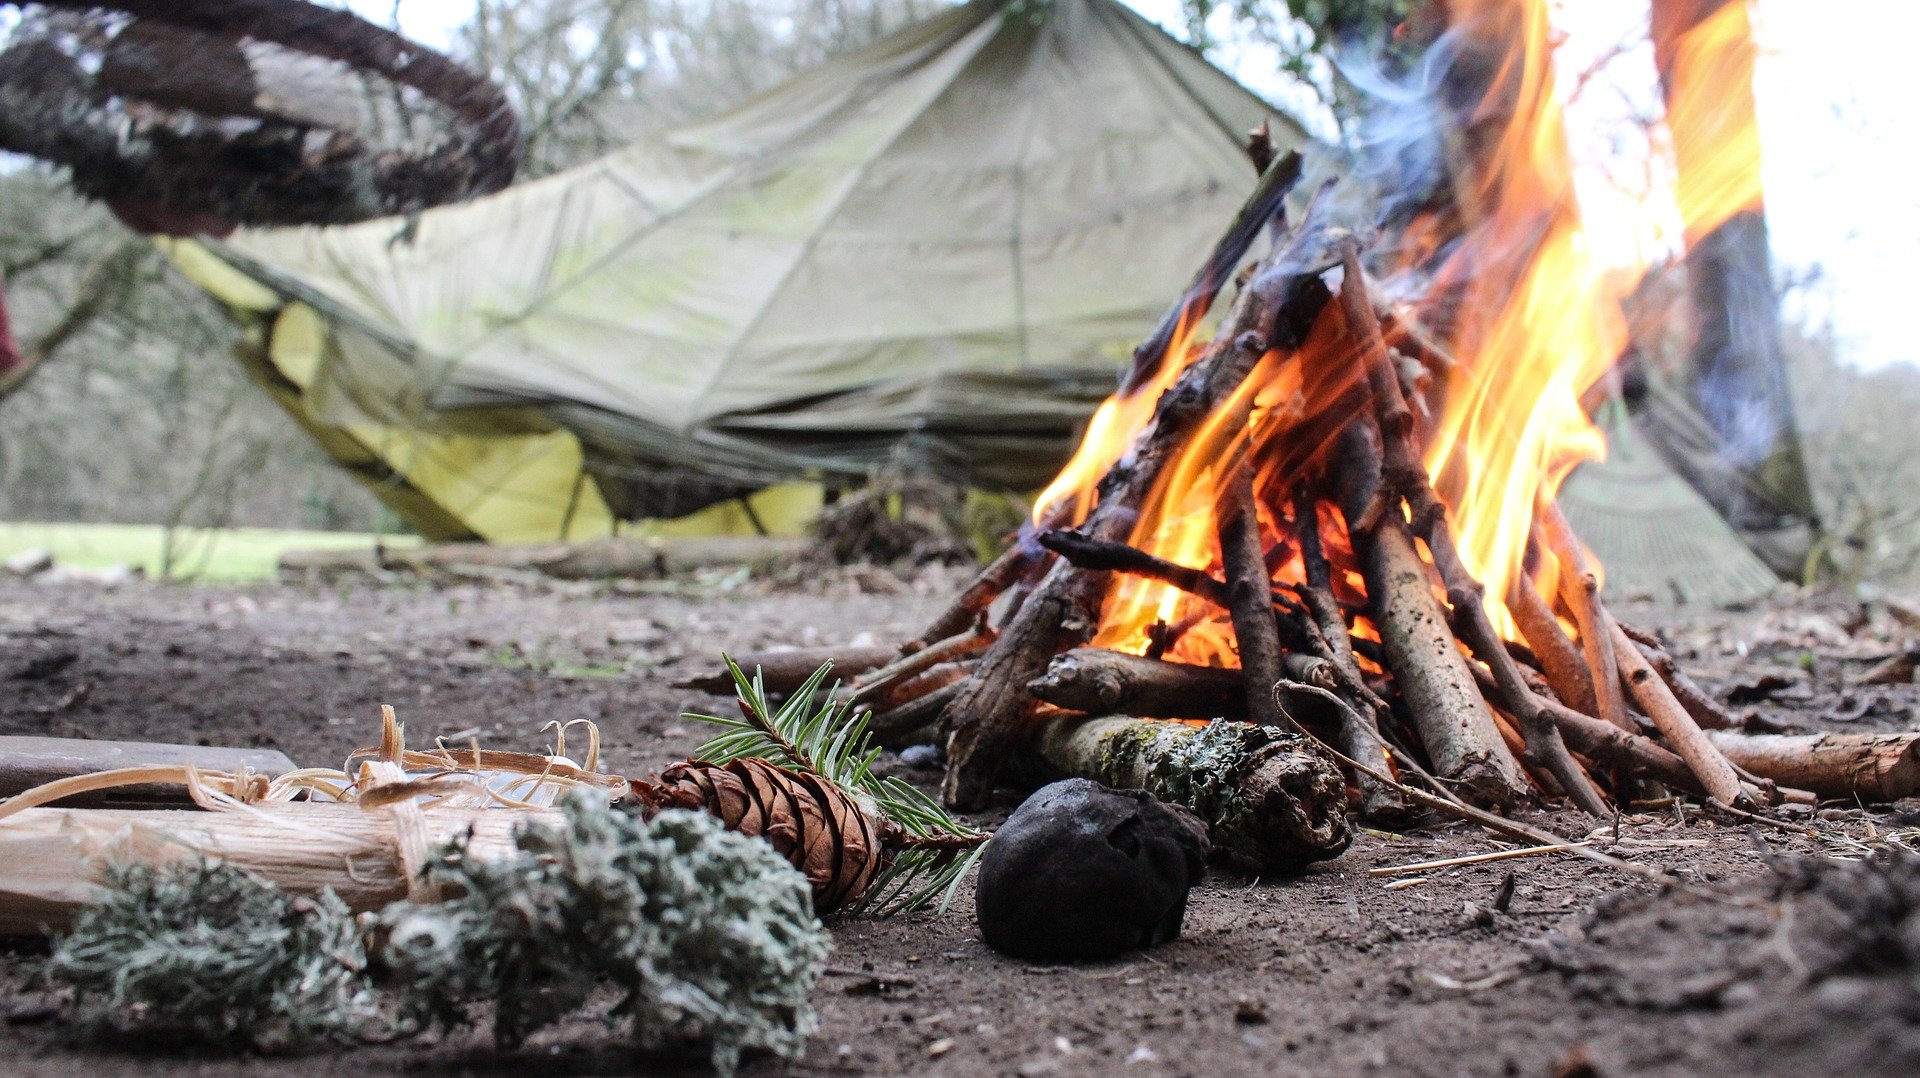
814 824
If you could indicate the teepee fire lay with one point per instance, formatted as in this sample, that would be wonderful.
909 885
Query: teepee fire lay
1338 515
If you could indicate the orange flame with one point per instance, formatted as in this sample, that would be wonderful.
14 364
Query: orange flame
1531 313
1711 116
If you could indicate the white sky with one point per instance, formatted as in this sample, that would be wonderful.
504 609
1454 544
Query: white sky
1835 93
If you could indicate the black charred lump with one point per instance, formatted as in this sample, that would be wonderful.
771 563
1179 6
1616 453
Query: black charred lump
1081 871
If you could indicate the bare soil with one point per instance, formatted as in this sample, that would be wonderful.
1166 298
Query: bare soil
1326 972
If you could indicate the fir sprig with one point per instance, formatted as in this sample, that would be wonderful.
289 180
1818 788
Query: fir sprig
932 852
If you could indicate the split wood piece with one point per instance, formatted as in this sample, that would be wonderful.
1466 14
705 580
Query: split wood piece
1579 589
55 857
1560 659
1087 553
1407 477
983 722
1271 801
785 671
1249 585
1102 682
999 575
27 762
1688 741
880 688
1868 767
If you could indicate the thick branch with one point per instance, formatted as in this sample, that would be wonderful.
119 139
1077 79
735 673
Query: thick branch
1103 682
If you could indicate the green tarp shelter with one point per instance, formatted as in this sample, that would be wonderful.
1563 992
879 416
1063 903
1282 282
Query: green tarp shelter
940 247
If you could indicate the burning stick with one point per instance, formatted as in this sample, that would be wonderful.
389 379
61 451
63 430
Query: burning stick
1464 593
1087 553
1580 590
1565 667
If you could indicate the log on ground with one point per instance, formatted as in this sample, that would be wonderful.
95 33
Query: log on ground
1272 801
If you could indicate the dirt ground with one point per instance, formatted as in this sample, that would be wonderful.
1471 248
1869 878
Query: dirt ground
1327 972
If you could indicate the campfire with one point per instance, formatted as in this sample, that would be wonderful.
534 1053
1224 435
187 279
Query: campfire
1336 511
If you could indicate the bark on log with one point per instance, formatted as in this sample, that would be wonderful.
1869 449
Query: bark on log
1271 800
26 762
1103 682
1870 767
55 856
785 671
1454 724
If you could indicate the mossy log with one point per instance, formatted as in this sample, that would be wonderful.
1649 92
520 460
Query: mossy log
1272 802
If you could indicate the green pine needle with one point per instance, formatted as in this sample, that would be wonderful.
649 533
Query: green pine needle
827 738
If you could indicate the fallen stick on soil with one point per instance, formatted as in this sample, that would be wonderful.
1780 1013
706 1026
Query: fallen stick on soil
1473 859
1871 767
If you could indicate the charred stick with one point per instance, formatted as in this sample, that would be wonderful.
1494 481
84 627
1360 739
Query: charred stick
1102 682
1001 574
1249 587
1087 553
1715 773
1580 590
1560 660
1268 200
